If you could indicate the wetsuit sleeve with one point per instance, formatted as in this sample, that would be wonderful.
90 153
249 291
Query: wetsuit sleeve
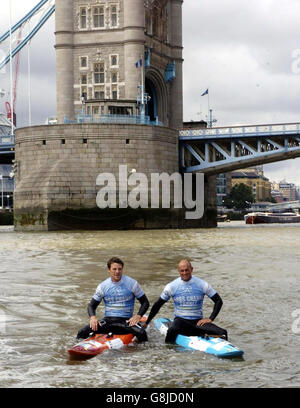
217 306
92 307
144 305
155 309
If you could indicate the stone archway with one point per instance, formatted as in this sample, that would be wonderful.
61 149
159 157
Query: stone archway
156 87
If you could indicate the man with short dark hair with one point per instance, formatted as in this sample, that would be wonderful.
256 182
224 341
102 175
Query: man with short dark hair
118 293
188 293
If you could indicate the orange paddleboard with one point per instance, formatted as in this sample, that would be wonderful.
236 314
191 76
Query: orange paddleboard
95 345
92 346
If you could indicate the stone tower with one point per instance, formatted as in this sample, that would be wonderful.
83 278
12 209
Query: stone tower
99 46
99 42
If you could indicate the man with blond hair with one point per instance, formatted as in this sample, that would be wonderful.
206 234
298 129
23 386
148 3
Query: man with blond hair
188 293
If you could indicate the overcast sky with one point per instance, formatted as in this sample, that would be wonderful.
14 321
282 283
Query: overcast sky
247 53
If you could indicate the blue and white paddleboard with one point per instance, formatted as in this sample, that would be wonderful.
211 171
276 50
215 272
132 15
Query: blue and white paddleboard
210 345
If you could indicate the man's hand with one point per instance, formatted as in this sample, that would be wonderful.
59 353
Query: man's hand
134 320
94 323
203 321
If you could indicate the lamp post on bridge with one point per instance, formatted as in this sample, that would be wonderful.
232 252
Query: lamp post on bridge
83 106
2 203
11 75
211 119
8 201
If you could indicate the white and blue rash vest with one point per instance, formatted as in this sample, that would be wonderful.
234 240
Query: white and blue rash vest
188 296
119 297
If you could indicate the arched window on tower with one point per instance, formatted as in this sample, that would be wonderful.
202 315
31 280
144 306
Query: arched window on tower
113 16
148 22
98 17
83 18
155 22
99 74
164 24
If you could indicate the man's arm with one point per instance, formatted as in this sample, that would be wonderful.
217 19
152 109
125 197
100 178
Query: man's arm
155 309
142 310
144 305
92 306
217 306
218 302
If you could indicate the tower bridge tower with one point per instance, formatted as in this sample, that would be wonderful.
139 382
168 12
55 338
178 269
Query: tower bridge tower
99 42
99 47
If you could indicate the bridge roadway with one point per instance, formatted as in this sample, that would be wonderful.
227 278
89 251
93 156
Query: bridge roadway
223 149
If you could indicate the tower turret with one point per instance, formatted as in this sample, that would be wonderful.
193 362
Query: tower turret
134 44
98 44
64 59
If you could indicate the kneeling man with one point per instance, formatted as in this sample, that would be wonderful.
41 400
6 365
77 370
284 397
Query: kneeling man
118 292
188 293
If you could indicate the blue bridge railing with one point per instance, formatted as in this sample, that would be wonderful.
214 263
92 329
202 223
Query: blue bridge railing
237 131
114 119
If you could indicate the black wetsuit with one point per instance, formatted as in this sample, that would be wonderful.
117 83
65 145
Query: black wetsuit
115 325
189 327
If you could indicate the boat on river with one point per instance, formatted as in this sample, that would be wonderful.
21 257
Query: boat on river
222 217
271 218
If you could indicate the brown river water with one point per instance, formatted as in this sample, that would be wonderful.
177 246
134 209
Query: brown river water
47 280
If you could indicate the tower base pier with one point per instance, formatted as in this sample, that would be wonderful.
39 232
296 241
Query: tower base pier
58 166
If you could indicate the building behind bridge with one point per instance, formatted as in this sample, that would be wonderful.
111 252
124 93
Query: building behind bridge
6 168
255 179
6 187
284 191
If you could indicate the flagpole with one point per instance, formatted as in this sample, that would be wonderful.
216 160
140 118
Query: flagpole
29 78
11 70
209 122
